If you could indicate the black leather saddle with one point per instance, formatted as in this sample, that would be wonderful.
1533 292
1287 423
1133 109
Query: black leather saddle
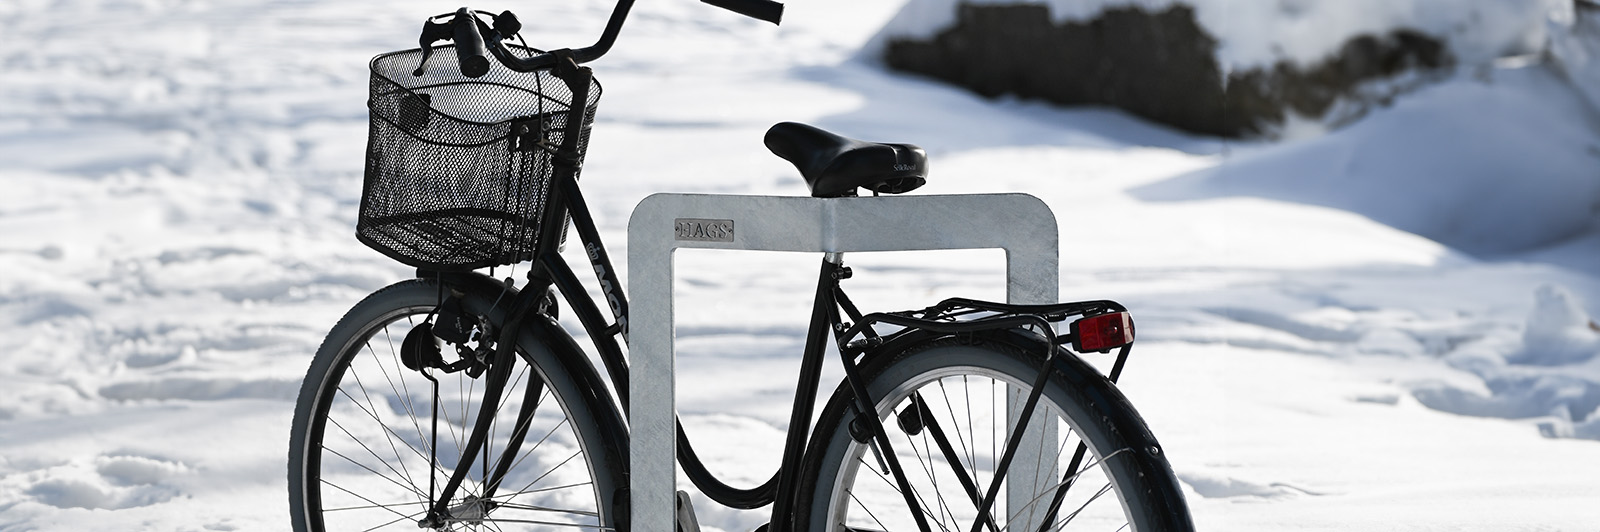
835 166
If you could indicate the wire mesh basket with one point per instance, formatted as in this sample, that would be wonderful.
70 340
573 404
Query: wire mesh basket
459 169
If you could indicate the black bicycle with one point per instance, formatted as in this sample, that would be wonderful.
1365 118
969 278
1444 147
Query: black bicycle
455 401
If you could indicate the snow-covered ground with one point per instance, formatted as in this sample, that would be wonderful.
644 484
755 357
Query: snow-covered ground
181 179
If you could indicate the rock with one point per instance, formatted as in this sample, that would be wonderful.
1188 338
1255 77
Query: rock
1160 65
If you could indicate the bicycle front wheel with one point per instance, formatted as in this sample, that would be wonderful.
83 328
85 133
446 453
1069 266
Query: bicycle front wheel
374 442
1087 461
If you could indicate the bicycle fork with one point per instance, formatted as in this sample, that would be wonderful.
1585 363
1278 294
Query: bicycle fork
472 509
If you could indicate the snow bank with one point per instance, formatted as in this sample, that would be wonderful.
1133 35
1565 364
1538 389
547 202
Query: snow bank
1490 163
1257 34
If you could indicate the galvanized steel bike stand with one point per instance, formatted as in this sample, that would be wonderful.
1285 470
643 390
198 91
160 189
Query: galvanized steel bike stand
1020 224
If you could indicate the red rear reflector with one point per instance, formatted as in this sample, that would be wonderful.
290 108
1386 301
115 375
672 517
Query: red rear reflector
1102 333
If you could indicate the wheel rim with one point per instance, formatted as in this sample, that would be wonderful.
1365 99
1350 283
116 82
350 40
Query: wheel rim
369 448
965 402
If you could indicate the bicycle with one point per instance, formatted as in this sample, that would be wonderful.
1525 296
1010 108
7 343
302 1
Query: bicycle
477 166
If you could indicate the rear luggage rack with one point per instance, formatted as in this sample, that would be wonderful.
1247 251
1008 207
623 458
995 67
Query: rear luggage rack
1101 325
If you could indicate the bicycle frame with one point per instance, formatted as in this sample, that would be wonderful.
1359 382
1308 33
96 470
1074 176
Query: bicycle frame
830 307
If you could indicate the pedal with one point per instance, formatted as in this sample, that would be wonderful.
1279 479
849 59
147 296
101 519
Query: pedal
686 519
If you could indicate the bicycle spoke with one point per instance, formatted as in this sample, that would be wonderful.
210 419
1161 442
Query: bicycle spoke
370 501
932 427
966 394
531 522
472 387
522 429
1072 468
386 427
1065 481
547 509
971 466
1103 490
450 425
923 503
927 469
536 446
374 410
402 518
1038 457
494 431
367 507
552 470
933 477
411 409
413 489
403 392
994 450
864 507
486 451
541 490
413 486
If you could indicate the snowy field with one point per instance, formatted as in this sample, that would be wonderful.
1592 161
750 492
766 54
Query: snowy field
181 179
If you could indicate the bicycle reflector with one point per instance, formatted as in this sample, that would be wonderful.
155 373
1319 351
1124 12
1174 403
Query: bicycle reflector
1102 333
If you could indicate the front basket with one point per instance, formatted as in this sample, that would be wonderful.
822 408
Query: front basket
459 169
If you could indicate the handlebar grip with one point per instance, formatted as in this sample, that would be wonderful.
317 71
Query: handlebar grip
470 51
767 10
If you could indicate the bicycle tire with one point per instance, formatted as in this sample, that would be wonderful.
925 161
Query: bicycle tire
843 487
361 440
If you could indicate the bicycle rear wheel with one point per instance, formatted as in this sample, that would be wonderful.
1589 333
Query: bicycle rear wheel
944 405
364 454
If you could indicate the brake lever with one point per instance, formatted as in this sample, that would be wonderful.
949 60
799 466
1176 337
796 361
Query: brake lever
506 26
431 32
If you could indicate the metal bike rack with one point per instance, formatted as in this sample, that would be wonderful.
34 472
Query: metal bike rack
1020 224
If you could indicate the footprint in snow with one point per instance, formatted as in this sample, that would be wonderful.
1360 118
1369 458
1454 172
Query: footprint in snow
1217 486
113 483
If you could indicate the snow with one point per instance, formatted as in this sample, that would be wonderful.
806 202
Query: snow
1256 35
182 179
1558 331
1576 51
1450 164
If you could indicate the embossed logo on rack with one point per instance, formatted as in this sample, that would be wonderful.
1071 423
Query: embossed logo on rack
702 230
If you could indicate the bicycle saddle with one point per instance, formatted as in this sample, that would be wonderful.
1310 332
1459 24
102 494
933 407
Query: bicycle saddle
834 166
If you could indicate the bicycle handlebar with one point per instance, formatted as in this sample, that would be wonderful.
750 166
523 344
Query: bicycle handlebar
767 10
469 41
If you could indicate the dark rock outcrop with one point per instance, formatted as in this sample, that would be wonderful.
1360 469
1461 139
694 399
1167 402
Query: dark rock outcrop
1158 65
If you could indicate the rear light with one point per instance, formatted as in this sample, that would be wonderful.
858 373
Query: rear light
1102 333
